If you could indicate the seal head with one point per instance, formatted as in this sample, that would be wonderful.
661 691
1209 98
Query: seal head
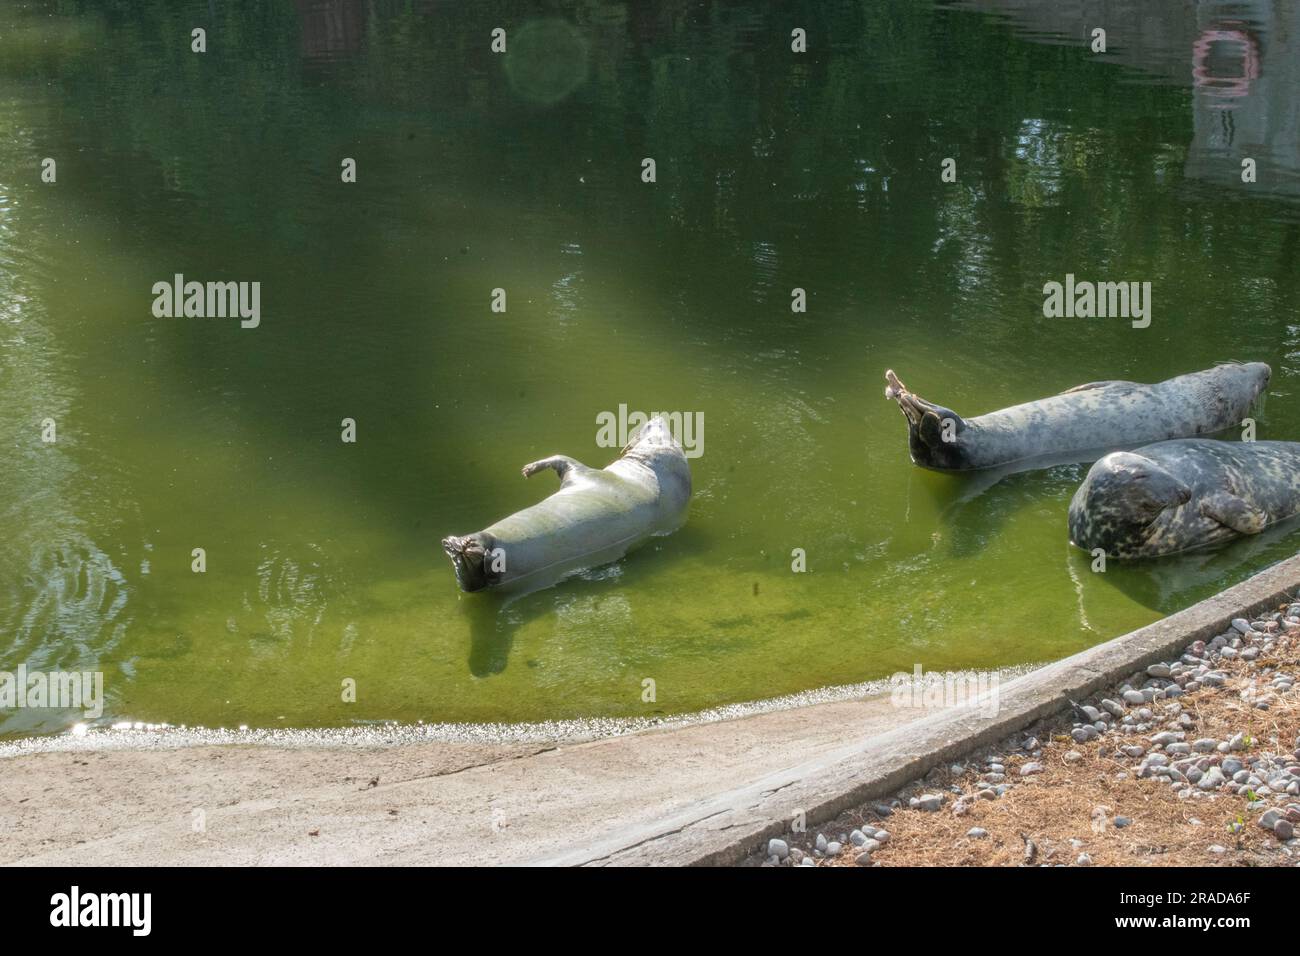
1120 501
655 448
1250 377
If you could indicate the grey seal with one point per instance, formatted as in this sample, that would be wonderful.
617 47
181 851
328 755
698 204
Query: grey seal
1084 421
596 517
1179 495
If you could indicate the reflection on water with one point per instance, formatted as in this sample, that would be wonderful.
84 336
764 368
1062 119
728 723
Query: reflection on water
292 594
1239 57
522 171
330 29
63 600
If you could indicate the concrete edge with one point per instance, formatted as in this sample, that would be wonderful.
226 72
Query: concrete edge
728 829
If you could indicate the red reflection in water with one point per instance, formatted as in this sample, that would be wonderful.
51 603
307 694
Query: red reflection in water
1224 87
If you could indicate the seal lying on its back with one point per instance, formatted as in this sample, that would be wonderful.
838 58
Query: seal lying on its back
1192 493
1094 418
596 517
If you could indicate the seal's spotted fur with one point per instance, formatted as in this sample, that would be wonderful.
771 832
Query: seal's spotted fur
1191 493
1092 418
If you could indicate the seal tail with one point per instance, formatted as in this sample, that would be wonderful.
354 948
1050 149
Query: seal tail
925 419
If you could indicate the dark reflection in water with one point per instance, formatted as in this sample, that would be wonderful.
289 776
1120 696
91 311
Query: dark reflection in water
331 29
1239 57
1180 580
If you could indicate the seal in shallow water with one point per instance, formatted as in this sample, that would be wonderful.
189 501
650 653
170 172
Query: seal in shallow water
1191 493
1093 418
596 517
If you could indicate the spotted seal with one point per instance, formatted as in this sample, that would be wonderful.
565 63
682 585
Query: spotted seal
596 517
1085 421
1179 495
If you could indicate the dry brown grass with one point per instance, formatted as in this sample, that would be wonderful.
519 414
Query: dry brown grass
1058 805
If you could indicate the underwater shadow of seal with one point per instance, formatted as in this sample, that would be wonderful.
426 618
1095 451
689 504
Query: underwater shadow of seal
1173 582
973 511
492 626
494 618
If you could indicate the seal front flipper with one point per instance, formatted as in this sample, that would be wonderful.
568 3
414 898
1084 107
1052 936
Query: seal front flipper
562 464
1234 512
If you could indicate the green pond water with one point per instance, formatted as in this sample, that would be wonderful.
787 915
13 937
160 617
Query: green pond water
522 171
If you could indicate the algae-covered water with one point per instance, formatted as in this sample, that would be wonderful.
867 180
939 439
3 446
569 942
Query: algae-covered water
523 171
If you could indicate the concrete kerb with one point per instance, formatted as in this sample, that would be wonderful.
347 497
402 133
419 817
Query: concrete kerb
728 829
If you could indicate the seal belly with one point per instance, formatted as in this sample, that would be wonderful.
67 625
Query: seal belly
589 524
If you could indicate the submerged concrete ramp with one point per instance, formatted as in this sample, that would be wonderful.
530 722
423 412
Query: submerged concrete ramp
703 793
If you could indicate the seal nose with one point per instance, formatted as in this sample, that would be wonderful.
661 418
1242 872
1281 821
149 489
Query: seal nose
655 432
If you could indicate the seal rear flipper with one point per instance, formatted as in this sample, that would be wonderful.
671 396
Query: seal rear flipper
931 429
470 560
926 417
1234 512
